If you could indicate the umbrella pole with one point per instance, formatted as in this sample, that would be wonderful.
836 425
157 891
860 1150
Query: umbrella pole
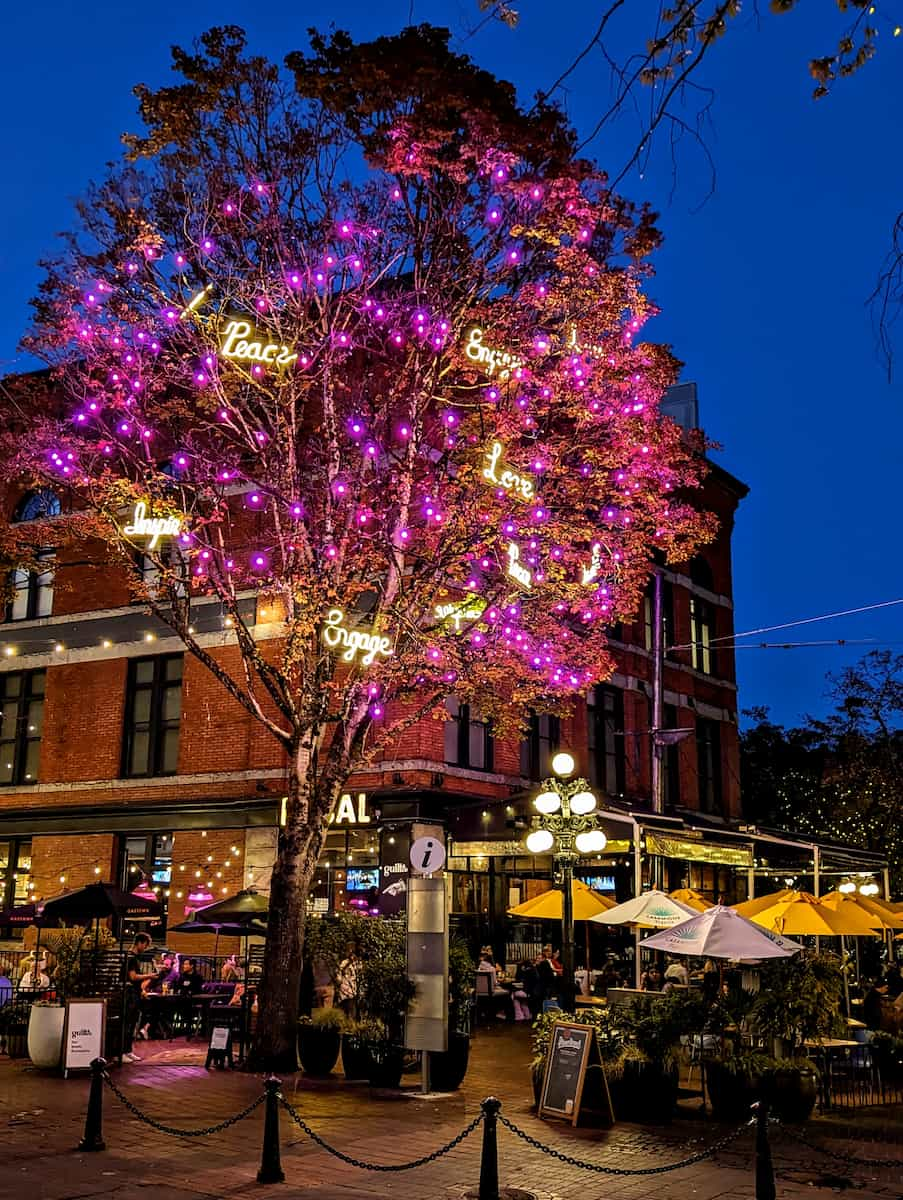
846 973
638 968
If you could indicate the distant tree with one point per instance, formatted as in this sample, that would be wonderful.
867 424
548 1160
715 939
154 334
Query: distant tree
839 778
364 339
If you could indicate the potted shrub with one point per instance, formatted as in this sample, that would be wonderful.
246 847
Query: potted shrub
384 992
799 1003
319 1041
447 1070
45 1033
355 1056
733 1081
385 1057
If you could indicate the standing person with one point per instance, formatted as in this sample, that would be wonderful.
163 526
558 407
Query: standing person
136 974
546 977
347 982
676 972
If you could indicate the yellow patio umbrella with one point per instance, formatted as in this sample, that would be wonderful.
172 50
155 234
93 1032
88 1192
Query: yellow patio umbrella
749 908
890 918
846 901
801 913
691 898
548 905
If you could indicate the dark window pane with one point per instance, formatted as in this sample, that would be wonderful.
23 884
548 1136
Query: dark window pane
172 704
144 671
32 760
477 744
9 722
6 764
174 667
141 708
35 718
13 684
140 749
170 752
37 682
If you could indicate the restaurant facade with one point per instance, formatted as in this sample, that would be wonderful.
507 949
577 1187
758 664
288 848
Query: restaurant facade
123 758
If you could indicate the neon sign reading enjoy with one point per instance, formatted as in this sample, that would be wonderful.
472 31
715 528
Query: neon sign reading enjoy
496 472
152 527
516 568
240 342
354 640
492 358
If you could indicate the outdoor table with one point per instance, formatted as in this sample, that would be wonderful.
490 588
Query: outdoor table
590 1002
164 1007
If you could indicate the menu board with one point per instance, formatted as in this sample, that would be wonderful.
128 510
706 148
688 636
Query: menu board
574 1080
83 1036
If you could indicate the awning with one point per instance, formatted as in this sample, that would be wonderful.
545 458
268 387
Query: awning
693 851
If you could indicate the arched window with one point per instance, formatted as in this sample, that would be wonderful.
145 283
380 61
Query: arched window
32 591
38 505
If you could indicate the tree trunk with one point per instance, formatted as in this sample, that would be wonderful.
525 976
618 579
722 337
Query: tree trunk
300 842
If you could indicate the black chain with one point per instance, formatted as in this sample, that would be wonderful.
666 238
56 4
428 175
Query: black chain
841 1155
171 1129
365 1166
570 1161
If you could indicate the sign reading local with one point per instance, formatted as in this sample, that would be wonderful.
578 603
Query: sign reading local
354 641
152 528
240 342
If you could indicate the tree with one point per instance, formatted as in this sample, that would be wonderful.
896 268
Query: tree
837 778
362 338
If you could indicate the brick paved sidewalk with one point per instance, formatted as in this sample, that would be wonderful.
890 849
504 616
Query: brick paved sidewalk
42 1116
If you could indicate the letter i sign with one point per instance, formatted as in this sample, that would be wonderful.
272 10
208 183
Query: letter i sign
427 856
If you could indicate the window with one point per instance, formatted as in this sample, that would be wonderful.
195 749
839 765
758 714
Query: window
702 630
32 592
38 505
146 858
537 748
701 574
15 876
708 750
166 568
605 719
671 760
153 709
468 740
21 722
667 614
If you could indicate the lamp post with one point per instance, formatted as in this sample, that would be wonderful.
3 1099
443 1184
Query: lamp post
564 822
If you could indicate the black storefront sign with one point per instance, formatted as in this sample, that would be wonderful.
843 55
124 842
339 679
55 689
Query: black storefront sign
574 1084
394 869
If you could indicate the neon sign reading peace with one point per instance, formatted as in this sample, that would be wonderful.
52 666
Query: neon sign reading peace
240 342
355 641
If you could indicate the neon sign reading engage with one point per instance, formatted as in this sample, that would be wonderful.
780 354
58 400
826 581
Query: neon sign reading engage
354 640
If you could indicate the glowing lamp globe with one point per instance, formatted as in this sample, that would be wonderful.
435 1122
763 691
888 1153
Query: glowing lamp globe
847 887
583 802
593 841
539 841
563 763
868 889
547 802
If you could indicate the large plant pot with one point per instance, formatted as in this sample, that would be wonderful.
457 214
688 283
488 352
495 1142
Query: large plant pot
537 1074
386 1065
731 1093
45 1034
355 1057
318 1050
646 1092
790 1094
448 1067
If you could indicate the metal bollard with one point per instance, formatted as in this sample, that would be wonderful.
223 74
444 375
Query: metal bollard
765 1186
270 1162
93 1135
489 1155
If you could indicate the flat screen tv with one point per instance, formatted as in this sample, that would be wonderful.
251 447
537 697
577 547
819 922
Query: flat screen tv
360 879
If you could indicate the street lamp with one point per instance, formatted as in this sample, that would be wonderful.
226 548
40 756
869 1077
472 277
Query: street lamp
565 806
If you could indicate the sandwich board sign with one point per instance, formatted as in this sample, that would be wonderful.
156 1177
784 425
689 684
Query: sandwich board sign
83 1034
574 1082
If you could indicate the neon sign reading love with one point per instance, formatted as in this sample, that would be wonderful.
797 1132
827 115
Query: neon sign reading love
496 472
355 641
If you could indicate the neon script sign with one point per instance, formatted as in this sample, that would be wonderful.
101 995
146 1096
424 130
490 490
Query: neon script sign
465 610
516 569
143 526
355 641
496 472
490 358
240 342
591 572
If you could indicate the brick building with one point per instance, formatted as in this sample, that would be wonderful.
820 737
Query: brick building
121 758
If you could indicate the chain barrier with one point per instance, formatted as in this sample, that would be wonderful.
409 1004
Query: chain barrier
840 1155
365 1166
570 1161
171 1129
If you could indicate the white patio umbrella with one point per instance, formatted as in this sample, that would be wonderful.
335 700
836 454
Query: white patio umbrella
651 910
720 932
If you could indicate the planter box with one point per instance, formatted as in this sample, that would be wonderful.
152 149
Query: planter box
45 1035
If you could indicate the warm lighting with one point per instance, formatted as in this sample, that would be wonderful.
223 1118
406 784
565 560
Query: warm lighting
563 763
583 802
59 648
539 841
97 870
591 842
847 887
62 879
868 889
547 802
149 637
9 651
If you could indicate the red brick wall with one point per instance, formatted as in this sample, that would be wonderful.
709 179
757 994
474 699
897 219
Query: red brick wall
53 856
191 850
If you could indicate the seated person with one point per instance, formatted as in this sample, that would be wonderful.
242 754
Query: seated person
676 973
232 970
501 997
189 984
34 979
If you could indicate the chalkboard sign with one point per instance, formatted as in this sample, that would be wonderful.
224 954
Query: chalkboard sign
219 1052
574 1083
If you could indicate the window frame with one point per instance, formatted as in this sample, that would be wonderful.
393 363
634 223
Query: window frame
36 585
8 882
156 726
20 740
536 749
709 791
466 723
702 635
604 708
667 616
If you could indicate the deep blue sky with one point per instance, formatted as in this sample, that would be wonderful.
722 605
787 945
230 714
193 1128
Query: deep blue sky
762 291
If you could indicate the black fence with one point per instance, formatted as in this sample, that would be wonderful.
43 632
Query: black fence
857 1077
